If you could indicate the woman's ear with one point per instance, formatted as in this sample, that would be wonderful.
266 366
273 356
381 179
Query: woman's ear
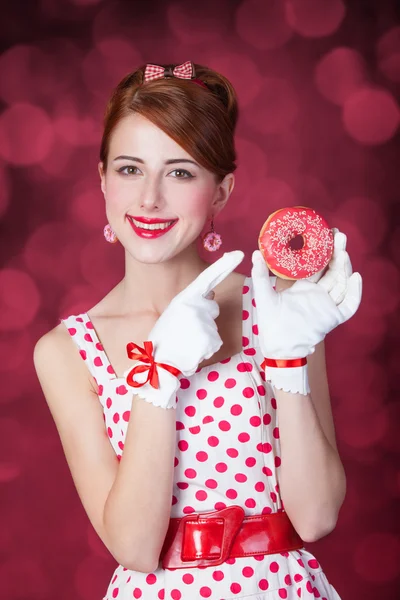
225 189
102 177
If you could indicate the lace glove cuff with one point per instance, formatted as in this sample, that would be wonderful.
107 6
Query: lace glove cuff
287 375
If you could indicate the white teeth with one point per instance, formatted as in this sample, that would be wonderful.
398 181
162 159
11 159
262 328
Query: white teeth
152 226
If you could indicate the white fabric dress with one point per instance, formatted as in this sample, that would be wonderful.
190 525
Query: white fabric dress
227 452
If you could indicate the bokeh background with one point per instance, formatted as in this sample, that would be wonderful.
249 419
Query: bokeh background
319 85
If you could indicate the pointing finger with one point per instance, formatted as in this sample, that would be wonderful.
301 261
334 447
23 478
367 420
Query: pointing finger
214 274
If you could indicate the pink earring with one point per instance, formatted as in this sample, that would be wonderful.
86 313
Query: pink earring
212 241
109 234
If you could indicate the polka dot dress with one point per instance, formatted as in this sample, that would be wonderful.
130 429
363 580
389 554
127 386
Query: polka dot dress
227 452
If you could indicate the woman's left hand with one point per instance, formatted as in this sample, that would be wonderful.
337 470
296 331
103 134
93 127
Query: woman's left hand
291 323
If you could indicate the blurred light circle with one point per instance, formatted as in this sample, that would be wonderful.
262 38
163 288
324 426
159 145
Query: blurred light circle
269 194
371 116
95 543
340 73
5 190
10 449
388 50
56 165
192 26
263 24
15 351
19 299
242 72
376 557
313 18
52 252
87 208
78 129
23 577
274 109
370 218
369 378
26 134
312 192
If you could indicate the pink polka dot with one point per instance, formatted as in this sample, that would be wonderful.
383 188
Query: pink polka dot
245 341
261 390
277 461
275 432
100 390
213 441
230 383
232 452
249 351
187 510
267 471
255 329
175 594
151 578
236 409
88 337
243 437
235 588
250 503
282 593
137 593
202 456
288 579
213 376
201 495
245 289
109 432
267 419
245 315
121 390
190 411
179 425
244 367
71 330
218 575
248 392
126 415
201 394
183 445
195 430
211 483
219 401
116 417
208 419
274 567
273 402
188 578
115 592
260 486
241 477
313 563
248 572
253 302
161 594
250 461
205 592
273 496
98 362
255 421
182 485
190 473
108 402
83 354
231 493
263 584
185 383
224 425
220 506
298 577
221 467
99 347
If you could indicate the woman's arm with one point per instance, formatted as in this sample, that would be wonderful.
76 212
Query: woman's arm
312 479
127 502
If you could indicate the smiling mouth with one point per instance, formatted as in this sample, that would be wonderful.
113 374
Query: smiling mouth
151 226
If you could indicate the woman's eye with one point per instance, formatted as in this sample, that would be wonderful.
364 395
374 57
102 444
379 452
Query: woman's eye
187 175
123 170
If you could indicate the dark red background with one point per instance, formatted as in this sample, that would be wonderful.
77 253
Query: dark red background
318 84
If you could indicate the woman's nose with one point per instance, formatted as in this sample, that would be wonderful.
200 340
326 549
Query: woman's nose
151 195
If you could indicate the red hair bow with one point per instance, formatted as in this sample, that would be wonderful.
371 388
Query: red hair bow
146 355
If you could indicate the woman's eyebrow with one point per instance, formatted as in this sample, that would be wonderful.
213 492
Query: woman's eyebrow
170 161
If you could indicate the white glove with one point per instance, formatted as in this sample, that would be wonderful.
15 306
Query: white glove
185 334
291 323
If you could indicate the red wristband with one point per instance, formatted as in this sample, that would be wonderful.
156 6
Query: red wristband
284 363
145 355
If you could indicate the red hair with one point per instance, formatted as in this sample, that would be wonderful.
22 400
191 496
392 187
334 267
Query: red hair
202 121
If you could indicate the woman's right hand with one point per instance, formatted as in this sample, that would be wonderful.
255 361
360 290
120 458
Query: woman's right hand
186 333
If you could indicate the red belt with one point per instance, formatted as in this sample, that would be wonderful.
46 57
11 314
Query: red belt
208 539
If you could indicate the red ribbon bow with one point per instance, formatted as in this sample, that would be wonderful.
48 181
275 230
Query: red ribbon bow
183 71
146 355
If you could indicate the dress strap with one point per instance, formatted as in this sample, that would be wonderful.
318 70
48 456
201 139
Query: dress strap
250 326
91 350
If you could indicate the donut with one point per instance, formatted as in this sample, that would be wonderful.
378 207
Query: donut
276 242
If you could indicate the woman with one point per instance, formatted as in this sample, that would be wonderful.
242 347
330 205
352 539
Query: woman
177 333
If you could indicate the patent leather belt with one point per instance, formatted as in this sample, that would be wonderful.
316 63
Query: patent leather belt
208 539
